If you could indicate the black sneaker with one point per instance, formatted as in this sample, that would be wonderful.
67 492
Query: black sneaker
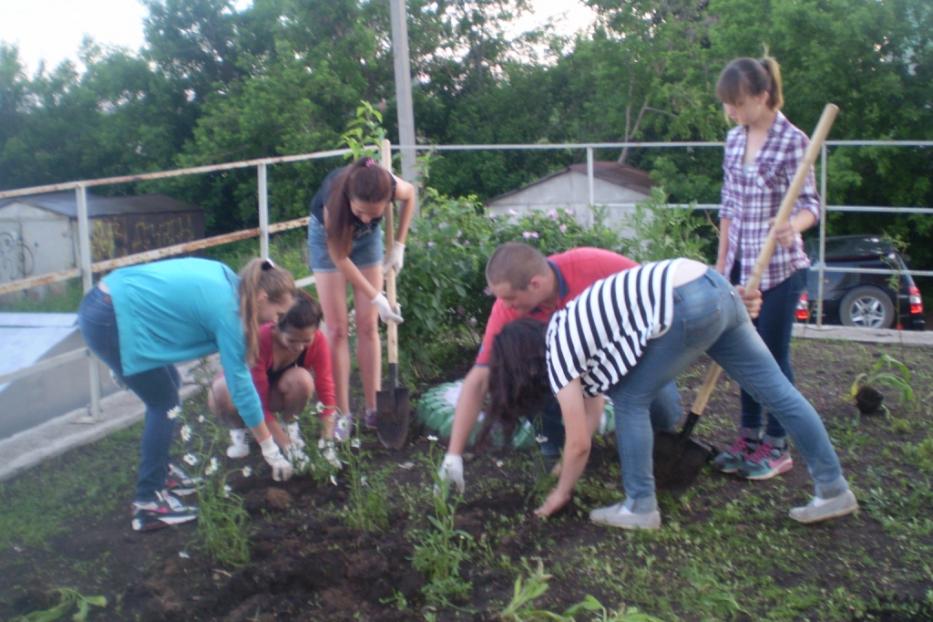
179 483
163 511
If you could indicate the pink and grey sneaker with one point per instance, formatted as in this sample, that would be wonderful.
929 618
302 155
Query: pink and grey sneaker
766 462
371 419
162 511
180 483
742 447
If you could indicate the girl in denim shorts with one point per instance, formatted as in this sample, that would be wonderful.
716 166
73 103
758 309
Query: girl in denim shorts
345 247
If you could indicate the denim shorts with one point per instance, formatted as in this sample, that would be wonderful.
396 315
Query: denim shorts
365 252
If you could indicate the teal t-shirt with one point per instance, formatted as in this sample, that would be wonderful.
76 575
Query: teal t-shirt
179 310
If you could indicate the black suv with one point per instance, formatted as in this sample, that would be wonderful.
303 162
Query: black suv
862 299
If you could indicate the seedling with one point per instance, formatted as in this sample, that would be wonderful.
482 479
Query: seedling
886 371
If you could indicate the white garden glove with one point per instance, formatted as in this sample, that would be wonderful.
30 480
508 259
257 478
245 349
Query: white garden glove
298 458
281 468
451 471
394 259
329 452
386 313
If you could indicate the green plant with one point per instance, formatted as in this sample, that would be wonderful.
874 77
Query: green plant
662 232
522 607
364 133
441 548
886 371
68 600
366 505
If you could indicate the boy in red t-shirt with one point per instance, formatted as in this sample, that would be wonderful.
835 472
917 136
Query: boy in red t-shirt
293 362
528 284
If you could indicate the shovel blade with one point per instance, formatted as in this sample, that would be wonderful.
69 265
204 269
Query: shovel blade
678 460
393 415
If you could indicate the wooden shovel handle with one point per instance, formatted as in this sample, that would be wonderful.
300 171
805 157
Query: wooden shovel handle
764 257
385 155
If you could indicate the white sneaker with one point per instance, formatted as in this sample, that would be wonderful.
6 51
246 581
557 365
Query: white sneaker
294 435
239 443
820 509
620 516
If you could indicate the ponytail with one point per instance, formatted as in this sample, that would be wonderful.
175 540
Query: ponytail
260 275
363 180
747 76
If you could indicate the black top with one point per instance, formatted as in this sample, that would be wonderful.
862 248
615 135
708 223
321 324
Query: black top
320 197
274 374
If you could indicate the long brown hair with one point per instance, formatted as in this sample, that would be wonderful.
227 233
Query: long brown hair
364 180
747 76
518 378
260 275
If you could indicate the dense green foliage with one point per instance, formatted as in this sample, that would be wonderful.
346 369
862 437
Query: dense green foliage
214 84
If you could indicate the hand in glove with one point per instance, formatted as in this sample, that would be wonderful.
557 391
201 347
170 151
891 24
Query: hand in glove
281 468
298 458
386 313
451 471
395 259
329 452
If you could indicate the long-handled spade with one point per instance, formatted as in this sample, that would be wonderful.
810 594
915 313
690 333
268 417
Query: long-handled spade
677 457
392 402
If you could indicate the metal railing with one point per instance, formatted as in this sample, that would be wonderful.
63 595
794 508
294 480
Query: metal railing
86 268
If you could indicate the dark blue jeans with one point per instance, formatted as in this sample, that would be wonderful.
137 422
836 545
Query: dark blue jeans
157 388
775 324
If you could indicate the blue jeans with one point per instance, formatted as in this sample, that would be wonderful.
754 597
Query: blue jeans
710 317
665 411
157 388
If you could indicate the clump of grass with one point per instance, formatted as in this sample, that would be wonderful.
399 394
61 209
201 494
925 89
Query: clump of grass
69 599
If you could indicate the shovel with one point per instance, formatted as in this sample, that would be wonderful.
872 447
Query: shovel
393 410
678 458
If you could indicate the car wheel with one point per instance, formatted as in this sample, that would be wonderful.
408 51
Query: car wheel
867 306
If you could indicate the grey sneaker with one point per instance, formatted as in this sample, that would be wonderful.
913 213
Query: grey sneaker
820 509
620 516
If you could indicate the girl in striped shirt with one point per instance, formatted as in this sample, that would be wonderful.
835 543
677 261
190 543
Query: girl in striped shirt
627 336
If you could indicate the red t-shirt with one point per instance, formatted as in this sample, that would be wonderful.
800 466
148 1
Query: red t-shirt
575 270
316 360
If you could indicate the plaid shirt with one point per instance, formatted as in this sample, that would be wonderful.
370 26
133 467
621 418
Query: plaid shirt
750 198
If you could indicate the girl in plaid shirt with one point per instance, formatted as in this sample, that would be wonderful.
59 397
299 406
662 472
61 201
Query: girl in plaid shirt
762 154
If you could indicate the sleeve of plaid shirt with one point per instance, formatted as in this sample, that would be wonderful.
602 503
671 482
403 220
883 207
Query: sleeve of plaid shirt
730 195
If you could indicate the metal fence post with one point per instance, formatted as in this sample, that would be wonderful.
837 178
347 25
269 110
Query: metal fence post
822 255
263 211
589 175
87 282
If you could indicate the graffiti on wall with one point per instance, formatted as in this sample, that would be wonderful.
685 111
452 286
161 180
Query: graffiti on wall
16 259
125 235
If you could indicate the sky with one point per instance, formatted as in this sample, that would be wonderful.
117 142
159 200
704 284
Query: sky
52 30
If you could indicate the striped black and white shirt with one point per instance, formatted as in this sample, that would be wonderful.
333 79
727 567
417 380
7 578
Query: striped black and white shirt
601 334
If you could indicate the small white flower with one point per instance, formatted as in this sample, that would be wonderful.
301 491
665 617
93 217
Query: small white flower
212 467
333 480
530 235
201 419
540 438
247 471
185 432
432 438
499 463
512 212
552 214
355 442
406 465
563 228
173 413
184 555
191 459
363 481
227 490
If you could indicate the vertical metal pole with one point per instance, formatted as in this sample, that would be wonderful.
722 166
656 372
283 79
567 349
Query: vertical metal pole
263 212
87 282
824 214
406 115
589 175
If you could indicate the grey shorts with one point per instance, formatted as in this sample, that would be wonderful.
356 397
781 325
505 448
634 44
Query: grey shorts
366 252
